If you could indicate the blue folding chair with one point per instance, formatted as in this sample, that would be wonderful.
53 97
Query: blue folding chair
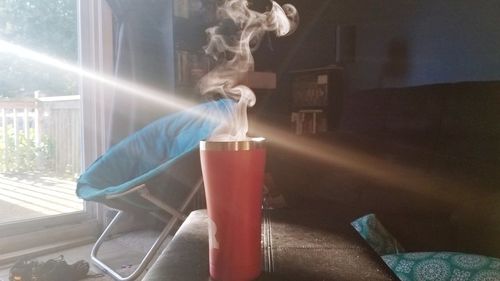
156 170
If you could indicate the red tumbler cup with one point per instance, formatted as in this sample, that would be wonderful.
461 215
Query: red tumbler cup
233 173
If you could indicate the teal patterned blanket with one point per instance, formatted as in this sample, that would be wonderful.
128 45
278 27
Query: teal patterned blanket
425 266
443 266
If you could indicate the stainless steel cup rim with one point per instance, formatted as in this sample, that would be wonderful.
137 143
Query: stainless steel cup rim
249 144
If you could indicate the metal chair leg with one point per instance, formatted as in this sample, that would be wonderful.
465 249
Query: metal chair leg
176 216
145 261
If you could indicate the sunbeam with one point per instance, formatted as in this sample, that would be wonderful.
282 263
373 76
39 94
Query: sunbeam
337 155
393 175
166 99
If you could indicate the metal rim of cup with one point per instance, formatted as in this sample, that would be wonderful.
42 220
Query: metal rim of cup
250 144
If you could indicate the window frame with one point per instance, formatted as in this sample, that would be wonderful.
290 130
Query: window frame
95 28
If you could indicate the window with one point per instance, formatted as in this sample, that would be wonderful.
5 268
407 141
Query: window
52 121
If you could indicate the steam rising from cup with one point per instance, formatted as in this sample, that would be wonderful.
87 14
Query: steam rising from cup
234 53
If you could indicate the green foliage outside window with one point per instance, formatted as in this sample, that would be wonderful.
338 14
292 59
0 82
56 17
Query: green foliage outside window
46 26
27 156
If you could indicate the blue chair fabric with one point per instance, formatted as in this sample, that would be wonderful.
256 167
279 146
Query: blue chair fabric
151 152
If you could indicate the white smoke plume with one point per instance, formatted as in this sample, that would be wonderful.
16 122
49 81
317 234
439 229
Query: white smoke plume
234 55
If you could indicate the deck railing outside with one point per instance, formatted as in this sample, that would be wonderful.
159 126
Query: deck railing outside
41 134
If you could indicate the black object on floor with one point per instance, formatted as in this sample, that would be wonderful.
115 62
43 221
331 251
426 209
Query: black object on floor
51 270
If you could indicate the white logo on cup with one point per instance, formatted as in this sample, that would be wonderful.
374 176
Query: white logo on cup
212 230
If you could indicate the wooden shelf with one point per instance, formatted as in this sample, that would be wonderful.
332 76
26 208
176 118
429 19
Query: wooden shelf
316 95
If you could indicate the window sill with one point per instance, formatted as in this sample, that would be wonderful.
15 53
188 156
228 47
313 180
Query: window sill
48 240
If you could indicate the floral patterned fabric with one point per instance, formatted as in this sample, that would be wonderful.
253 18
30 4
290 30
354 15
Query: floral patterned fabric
375 234
425 266
443 266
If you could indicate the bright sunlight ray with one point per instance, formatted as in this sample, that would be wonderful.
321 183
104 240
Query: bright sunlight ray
331 154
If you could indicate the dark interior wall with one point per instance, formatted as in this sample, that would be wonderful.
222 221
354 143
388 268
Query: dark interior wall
399 43
428 42
310 46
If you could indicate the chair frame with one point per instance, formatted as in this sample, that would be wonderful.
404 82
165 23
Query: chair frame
177 215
